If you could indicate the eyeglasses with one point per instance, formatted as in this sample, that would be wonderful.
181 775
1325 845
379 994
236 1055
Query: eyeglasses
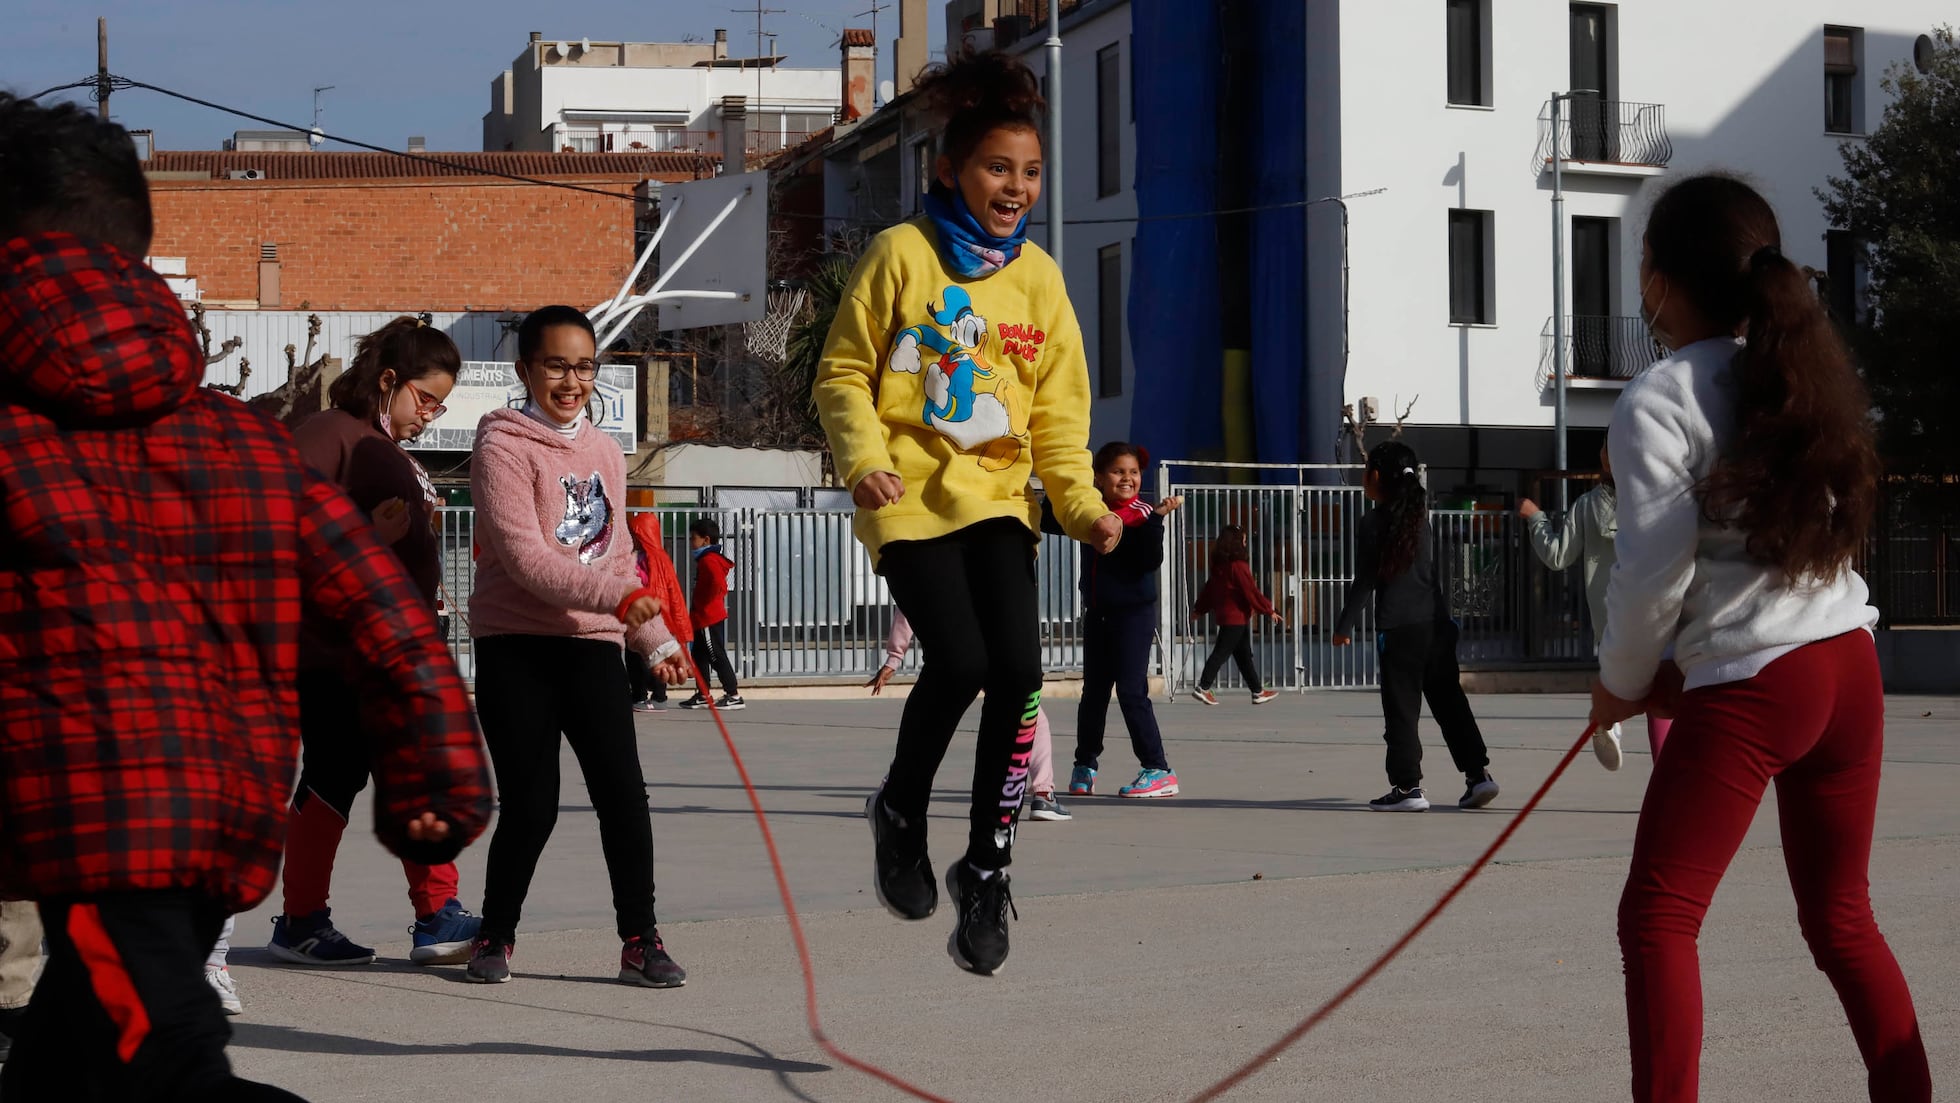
426 404
556 367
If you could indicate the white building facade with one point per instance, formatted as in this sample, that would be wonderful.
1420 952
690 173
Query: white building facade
584 96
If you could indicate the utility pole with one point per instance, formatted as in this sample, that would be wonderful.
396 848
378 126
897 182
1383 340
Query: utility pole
758 11
102 67
873 11
1052 166
1558 286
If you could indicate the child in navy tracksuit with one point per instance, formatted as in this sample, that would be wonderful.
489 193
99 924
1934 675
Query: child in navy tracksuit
1119 620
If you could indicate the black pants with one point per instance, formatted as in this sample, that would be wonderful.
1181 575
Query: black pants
334 758
529 690
972 602
1234 640
642 683
1417 662
123 1011
1116 654
711 654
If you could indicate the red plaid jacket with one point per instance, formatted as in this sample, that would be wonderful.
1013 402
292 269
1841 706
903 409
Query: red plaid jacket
158 545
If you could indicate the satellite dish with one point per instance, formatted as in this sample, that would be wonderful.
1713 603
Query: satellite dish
316 136
585 45
564 50
887 91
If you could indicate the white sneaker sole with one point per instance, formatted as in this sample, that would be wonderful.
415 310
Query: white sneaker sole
1050 817
1606 747
1419 804
730 708
1265 700
1166 791
443 953
1204 698
284 953
474 979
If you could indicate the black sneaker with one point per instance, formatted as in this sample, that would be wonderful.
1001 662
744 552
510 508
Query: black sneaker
731 702
644 961
1399 799
1481 791
903 873
698 701
979 942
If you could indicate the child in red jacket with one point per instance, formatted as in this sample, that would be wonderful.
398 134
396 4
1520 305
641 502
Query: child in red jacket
709 612
1232 597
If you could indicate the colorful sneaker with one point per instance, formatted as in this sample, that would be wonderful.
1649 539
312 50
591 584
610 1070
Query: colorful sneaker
1205 696
1151 783
902 873
445 937
1399 799
1082 781
1606 746
219 978
649 705
1263 696
979 942
644 961
1048 808
312 940
1482 789
698 701
731 702
490 960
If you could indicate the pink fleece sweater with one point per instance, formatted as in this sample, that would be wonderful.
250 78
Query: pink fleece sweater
553 557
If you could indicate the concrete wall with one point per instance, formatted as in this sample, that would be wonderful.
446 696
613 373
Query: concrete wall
695 92
1742 85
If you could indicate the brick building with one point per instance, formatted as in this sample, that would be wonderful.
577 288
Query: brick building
378 232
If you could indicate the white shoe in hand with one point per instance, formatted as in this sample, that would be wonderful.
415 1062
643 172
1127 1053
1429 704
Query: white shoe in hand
1606 745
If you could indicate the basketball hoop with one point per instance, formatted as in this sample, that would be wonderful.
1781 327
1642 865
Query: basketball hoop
768 336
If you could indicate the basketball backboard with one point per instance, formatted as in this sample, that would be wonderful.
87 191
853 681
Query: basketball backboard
730 259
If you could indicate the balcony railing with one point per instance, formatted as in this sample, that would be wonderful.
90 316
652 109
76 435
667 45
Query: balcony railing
1600 348
668 139
1610 132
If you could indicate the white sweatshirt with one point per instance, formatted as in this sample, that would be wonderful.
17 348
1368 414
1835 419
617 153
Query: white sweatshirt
1682 580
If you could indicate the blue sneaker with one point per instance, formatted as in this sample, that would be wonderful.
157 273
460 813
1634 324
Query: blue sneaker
1082 781
312 940
445 937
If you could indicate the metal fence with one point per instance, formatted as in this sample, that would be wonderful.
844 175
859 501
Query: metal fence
1912 560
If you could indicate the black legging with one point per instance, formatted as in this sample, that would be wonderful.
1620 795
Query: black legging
972 602
529 689
1418 661
1234 640
711 655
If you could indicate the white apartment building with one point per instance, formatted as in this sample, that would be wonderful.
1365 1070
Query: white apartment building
585 96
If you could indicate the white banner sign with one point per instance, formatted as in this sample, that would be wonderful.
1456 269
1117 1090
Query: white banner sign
486 385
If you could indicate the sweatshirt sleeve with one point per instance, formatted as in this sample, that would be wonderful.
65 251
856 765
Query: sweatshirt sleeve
1557 546
1242 574
846 388
507 523
1367 577
1058 425
1659 522
899 641
1204 602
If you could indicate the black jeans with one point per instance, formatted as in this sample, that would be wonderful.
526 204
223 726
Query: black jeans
642 682
1419 661
1235 641
529 690
1116 654
334 749
972 602
711 655
123 1011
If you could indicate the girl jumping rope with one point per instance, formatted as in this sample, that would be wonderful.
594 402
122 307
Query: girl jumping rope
954 369
556 593
1119 622
1747 478
1232 598
394 389
1396 564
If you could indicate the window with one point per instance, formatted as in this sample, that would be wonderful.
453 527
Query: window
1844 50
1472 301
1109 321
1844 268
584 139
1595 134
1467 25
1109 128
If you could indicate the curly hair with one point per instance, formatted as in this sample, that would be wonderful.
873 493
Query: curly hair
1800 477
977 95
1230 547
1404 505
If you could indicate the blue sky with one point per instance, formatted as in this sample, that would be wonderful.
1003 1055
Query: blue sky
397 69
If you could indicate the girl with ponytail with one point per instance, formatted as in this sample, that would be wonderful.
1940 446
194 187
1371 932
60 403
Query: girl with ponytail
1416 639
1746 473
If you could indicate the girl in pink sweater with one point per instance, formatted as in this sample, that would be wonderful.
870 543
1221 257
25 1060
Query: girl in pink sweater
556 597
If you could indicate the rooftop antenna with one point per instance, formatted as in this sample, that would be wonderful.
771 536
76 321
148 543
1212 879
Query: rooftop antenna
758 11
872 11
316 135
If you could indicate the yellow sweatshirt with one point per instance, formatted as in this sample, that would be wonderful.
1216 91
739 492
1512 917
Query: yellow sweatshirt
960 387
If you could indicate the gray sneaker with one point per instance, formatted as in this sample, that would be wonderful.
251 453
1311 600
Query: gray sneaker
1048 808
489 960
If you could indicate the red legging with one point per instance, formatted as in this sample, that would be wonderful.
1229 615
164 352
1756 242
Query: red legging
1814 721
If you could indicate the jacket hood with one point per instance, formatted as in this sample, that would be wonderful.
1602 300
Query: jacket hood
90 336
645 528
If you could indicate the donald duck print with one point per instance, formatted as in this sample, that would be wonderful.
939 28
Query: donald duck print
966 401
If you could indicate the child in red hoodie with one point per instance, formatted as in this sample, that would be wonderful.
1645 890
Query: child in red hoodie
709 611
1232 597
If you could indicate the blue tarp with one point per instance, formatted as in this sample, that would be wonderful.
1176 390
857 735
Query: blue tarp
1277 162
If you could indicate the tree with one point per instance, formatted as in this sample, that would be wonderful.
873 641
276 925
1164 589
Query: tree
1899 199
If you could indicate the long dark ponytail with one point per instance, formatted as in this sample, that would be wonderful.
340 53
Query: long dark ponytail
1800 477
1404 505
